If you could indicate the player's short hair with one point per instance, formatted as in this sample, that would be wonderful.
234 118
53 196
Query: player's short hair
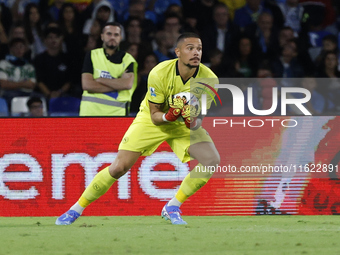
115 24
186 35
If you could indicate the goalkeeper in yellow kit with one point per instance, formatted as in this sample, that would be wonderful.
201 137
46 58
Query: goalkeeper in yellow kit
158 121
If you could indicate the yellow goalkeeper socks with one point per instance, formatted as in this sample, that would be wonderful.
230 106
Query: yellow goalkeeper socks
188 187
98 187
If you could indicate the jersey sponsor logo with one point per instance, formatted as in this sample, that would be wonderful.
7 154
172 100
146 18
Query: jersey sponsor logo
152 91
106 75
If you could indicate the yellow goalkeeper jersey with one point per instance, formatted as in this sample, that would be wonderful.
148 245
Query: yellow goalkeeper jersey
164 81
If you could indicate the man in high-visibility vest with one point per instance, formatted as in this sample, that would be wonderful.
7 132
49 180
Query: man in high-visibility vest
109 77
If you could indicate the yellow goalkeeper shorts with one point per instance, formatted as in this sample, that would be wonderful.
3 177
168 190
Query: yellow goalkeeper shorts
145 137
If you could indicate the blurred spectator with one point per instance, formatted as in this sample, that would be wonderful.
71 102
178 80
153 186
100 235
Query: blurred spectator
215 59
149 62
264 36
93 40
174 9
329 44
245 60
203 11
148 18
133 35
69 25
165 43
133 30
233 5
102 12
120 7
17 76
330 87
18 31
329 66
292 12
18 8
87 12
275 11
35 107
249 13
161 7
137 8
286 34
55 8
242 62
53 66
266 84
287 65
33 29
132 49
221 35
190 23
317 104
172 25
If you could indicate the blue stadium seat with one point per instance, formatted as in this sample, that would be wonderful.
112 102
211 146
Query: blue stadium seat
64 106
3 108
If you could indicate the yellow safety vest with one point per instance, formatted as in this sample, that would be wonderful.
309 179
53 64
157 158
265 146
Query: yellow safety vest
112 103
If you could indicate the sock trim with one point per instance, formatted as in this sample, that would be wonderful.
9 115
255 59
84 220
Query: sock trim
83 202
180 196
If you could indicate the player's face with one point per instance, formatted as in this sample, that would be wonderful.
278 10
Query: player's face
189 52
111 37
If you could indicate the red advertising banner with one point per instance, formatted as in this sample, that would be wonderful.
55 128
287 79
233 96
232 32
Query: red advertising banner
46 163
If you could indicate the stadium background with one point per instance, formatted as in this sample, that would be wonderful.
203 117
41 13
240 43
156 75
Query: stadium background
45 164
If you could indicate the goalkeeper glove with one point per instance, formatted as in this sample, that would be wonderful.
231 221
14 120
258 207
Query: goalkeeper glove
176 104
189 114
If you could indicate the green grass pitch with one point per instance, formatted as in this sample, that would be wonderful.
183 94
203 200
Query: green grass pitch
153 235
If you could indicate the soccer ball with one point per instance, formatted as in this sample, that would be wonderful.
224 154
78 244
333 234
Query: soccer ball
190 99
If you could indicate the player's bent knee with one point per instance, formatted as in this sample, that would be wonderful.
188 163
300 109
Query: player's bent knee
117 170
